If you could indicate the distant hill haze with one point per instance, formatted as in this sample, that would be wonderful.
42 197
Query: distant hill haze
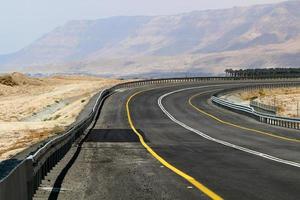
199 42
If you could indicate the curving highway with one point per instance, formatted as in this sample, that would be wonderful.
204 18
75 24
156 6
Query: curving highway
171 142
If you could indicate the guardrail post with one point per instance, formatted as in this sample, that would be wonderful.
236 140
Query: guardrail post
264 119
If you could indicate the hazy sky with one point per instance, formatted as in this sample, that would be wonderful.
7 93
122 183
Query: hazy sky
23 21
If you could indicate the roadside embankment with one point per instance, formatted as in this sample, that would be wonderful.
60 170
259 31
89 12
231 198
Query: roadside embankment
287 100
33 109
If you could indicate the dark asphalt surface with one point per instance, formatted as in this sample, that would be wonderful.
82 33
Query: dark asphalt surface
114 165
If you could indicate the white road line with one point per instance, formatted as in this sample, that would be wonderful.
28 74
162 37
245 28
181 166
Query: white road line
250 151
54 189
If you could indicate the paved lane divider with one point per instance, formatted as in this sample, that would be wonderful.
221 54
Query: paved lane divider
187 177
207 137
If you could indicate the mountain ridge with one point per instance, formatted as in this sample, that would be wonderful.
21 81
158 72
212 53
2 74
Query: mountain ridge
200 41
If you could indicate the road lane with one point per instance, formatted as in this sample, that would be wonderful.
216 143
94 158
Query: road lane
211 194
287 145
230 173
112 163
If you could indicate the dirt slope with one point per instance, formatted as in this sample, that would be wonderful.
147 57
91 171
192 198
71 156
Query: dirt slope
33 109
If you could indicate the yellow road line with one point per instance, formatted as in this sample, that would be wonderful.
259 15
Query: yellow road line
235 125
190 179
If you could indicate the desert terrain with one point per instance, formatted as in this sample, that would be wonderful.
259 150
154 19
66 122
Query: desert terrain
285 99
33 109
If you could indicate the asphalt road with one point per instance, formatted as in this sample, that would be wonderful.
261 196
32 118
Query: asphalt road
179 134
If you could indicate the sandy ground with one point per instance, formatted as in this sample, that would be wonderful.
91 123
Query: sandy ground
33 109
285 99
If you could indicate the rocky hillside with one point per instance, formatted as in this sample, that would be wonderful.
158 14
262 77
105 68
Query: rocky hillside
196 42
16 78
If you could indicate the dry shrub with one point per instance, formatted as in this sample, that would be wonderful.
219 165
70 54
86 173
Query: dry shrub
262 93
57 129
32 137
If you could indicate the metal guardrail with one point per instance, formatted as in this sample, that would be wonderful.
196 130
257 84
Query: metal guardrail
24 179
196 79
286 122
257 86
263 107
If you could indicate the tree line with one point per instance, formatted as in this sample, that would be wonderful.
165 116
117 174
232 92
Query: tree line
264 72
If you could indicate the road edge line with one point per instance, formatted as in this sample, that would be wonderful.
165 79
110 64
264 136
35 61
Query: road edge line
235 125
190 179
225 143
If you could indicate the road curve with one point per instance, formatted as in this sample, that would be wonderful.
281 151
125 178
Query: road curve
231 173
177 154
